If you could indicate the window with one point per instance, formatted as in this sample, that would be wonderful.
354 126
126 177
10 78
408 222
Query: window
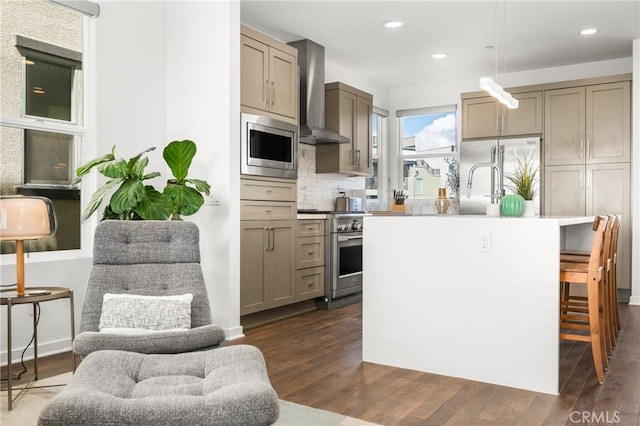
373 183
41 127
427 151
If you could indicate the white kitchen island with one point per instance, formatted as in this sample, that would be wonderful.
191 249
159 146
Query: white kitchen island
467 296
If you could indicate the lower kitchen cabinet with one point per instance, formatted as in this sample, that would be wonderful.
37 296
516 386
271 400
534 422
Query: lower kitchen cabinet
309 283
594 189
267 264
310 259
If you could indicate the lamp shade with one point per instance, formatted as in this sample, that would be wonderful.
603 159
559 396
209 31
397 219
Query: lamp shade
26 218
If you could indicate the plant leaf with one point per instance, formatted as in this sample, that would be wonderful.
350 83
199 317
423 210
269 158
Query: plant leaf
186 200
150 175
114 169
86 167
201 185
178 155
96 198
136 168
154 206
127 196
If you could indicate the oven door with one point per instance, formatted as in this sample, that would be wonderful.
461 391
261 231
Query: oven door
346 264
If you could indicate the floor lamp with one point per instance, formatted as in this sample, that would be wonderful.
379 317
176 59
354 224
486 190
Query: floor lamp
25 218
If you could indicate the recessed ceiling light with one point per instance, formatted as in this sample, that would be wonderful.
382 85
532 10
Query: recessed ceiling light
588 31
439 55
393 24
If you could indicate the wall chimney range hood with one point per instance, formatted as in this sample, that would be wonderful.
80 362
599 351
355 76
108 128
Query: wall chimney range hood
311 62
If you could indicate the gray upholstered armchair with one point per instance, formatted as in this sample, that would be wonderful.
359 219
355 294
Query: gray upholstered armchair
150 258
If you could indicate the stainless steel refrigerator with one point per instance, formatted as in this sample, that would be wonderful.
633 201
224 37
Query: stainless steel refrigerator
483 164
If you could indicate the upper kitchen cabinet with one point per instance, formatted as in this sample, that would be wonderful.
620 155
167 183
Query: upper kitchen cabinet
269 76
485 117
347 111
588 124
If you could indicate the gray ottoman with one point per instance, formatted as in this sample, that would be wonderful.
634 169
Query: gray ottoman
223 386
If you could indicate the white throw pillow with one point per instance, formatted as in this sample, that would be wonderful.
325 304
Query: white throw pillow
122 313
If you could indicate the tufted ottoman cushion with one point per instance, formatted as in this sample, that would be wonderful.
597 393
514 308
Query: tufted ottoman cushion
228 385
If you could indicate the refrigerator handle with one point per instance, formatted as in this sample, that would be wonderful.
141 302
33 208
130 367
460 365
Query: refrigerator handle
493 174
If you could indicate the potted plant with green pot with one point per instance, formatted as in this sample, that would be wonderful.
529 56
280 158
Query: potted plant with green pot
523 182
132 199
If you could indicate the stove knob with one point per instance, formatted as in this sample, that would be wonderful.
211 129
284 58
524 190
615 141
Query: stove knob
356 226
342 226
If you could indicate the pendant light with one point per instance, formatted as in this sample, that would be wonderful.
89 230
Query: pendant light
489 84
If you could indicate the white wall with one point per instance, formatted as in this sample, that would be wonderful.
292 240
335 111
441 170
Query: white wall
203 104
635 176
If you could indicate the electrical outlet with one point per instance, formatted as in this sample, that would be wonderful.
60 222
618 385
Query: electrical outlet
484 242
212 199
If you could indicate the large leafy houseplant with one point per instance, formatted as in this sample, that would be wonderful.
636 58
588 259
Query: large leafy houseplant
132 199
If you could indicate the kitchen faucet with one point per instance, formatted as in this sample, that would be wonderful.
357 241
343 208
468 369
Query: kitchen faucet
498 192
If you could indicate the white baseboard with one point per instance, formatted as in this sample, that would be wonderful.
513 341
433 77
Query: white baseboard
233 333
44 349
634 300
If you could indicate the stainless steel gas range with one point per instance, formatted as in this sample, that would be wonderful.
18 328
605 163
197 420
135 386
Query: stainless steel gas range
343 259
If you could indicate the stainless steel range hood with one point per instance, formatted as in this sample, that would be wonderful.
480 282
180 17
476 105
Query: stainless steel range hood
311 61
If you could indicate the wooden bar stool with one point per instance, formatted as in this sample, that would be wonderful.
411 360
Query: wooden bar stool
589 274
614 274
610 299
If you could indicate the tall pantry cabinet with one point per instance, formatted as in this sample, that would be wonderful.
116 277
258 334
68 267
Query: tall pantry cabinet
587 142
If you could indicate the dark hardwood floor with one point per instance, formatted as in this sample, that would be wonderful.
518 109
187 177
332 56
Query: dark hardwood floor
315 359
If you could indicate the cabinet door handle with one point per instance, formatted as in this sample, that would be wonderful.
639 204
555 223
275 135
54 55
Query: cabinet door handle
504 123
268 239
581 179
358 157
310 284
273 239
268 191
582 149
266 92
310 252
273 93
351 162
589 177
498 123
588 149
267 210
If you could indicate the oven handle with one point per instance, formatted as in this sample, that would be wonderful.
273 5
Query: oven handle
355 237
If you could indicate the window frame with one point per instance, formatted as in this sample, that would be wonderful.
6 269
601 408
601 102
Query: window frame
380 157
59 60
438 153
84 150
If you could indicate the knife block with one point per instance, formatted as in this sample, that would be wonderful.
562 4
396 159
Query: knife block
397 207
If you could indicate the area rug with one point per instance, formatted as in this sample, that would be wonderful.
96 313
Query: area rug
27 407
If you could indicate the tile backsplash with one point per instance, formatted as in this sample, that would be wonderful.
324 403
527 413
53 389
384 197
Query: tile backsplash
319 191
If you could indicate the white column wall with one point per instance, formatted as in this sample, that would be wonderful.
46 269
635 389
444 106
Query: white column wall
635 177
203 104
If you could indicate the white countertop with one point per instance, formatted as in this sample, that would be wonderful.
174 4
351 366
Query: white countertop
562 220
312 216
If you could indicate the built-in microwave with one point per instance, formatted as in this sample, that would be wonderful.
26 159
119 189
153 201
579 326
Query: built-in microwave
269 147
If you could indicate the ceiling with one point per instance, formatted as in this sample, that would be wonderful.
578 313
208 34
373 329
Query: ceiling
525 34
